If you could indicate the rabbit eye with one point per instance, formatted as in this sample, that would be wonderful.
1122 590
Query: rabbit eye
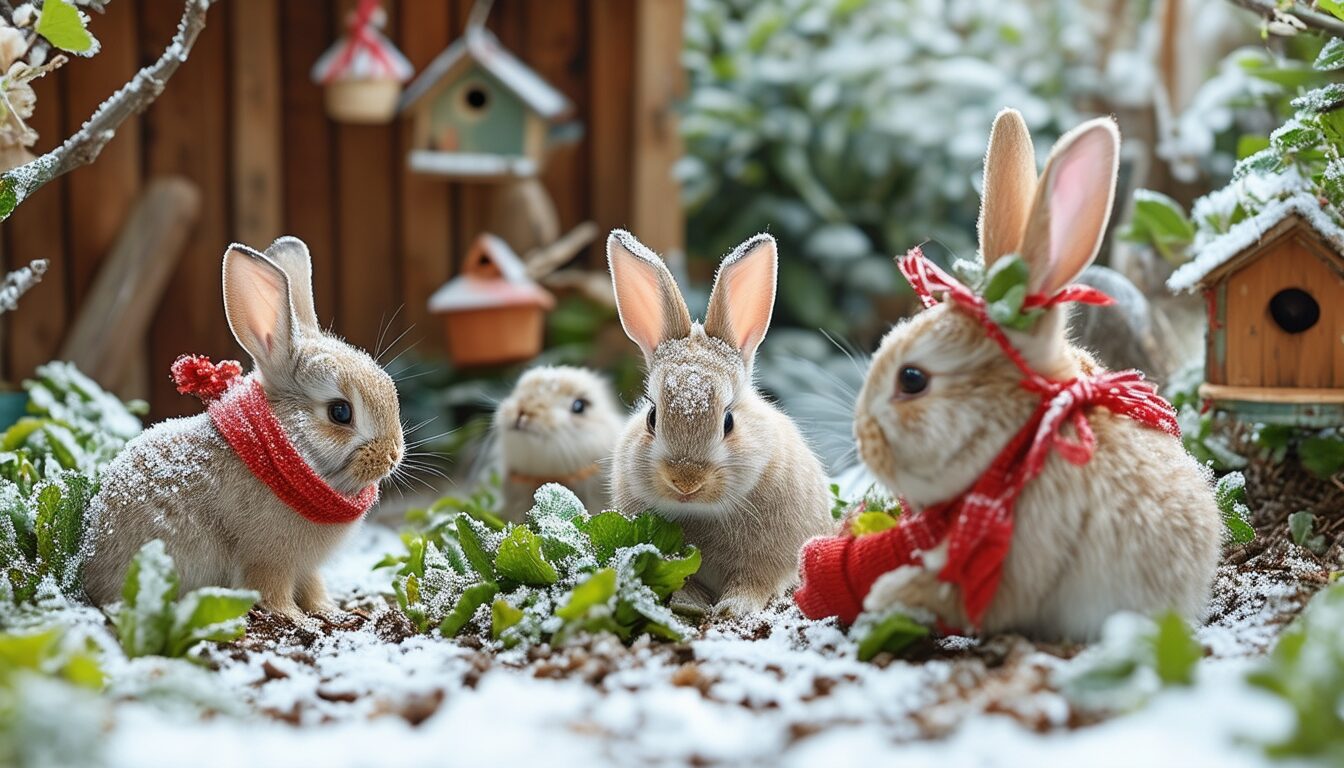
912 381
727 422
340 411
652 420
578 405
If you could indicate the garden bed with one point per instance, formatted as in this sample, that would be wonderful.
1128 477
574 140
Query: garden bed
769 688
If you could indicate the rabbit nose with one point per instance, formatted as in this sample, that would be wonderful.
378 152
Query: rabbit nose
686 487
521 421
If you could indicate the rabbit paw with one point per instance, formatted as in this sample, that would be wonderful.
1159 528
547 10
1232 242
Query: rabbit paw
738 604
286 608
313 597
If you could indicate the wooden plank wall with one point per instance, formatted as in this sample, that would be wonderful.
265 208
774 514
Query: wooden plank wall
243 121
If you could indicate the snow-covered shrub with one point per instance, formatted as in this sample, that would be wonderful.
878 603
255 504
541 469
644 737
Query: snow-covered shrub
1306 671
152 621
41 534
852 130
562 572
74 425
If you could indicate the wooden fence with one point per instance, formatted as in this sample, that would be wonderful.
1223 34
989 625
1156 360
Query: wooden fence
243 121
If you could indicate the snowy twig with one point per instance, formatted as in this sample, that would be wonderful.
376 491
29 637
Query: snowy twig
1271 11
134 97
19 282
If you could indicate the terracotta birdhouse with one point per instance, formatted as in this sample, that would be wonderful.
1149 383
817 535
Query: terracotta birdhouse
480 113
493 312
1274 285
363 72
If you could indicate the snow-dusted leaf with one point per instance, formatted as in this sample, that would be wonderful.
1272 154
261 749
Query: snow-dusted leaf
65 27
502 617
892 633
145 619
471 600
520 559
596 590
210 614
1323 99
1331 56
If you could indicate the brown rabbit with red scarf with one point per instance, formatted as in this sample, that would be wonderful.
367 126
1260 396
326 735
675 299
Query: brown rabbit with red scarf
258 491
1129 525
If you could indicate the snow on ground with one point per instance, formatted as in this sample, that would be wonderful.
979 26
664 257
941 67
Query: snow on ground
771 689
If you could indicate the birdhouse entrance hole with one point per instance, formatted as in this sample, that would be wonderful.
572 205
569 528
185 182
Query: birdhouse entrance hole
477 98
1294 310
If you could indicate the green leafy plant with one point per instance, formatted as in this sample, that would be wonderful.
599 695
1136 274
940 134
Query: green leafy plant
152 621
1301 526
562 572
891 632
50 712
1137 657
41 534
1306 671
73 424
1230 495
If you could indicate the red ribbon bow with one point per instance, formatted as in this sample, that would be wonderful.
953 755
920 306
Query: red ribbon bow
838 571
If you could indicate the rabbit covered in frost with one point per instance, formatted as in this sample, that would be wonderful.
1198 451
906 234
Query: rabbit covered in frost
258 491
559 425
1119 516
706 449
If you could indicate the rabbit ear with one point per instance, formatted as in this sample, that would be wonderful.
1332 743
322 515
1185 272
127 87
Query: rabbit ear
743 297
291 255
1010 186
647 298
1073 205
256 301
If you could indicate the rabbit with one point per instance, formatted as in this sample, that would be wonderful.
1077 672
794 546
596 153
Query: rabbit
181 482
706 449
559 425
1136 527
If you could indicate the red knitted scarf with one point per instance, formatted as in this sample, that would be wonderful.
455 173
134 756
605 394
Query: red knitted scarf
838 571
240 412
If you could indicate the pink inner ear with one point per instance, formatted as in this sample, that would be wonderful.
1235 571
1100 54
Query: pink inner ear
1082 184
640 301
751 298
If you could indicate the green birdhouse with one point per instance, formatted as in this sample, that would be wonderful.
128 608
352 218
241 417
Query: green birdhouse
481 113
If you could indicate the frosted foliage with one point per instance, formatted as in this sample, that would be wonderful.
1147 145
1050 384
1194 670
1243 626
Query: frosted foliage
553 500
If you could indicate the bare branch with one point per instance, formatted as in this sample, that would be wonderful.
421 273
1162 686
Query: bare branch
1268 9
85 145
19 282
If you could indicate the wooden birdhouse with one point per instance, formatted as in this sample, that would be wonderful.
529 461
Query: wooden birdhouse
1274 286
493 312
480 113
363 72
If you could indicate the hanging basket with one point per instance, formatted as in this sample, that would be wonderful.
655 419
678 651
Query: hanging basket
363 72
362 101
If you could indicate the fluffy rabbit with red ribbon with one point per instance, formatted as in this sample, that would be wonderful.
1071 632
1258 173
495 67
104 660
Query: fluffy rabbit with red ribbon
257 491
1043 493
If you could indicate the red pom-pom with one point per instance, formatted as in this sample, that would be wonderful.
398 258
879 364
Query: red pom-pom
196 375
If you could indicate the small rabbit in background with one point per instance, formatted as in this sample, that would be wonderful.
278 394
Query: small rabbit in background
559 425
1135 527
706 449
185 482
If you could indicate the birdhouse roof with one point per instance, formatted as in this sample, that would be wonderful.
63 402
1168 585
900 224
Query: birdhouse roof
1298 209
492 276
367 55
480 46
